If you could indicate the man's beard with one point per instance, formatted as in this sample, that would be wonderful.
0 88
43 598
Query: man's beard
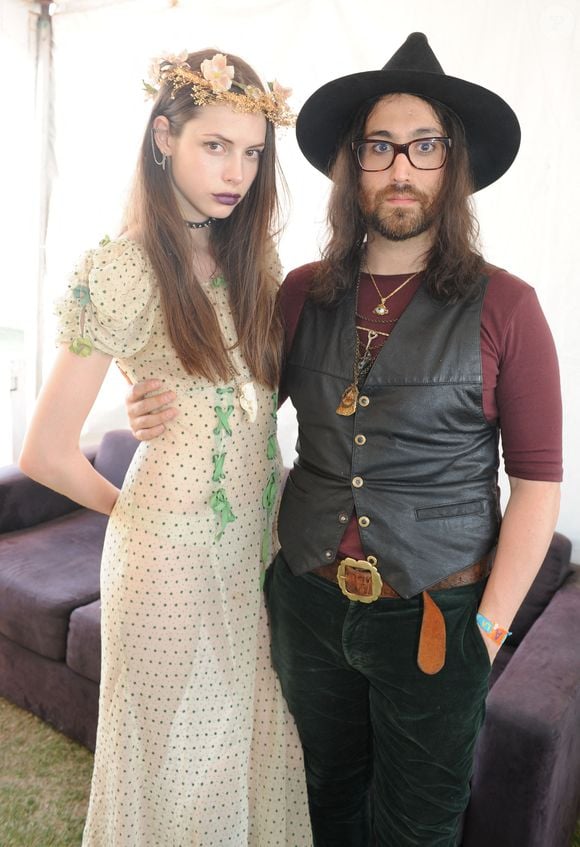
398 223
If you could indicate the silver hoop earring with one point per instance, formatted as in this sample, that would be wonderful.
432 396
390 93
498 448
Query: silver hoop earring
154 149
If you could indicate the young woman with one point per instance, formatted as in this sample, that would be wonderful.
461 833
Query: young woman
194 745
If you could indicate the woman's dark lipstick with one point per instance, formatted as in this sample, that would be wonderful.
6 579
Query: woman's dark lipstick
227 199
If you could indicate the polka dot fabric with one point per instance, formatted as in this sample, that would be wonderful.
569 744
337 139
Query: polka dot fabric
195 746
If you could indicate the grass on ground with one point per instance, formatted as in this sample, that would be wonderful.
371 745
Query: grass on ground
44 783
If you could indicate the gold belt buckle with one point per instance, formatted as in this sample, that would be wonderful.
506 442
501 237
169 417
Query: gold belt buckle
363 565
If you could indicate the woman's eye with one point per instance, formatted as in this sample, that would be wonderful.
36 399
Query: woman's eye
214 146
254 154
382 147
425 147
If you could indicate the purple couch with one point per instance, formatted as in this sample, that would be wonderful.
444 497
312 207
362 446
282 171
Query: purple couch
50 612
526 783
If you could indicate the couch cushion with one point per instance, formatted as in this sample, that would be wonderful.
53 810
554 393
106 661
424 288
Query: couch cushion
24 502
114 455
554 570
45 573
83 653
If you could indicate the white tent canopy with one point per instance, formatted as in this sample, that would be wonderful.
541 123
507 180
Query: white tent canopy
77 146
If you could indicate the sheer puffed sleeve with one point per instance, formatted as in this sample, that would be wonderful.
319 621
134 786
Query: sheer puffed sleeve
110 302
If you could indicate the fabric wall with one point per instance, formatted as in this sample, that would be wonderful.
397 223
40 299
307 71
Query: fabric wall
526 50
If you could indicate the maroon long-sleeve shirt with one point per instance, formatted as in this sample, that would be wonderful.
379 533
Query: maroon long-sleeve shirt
521 384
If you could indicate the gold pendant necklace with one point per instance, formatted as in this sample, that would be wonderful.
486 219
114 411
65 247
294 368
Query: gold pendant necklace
381 309
349 398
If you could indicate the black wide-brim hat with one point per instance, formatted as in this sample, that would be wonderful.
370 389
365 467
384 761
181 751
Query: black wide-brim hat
491 127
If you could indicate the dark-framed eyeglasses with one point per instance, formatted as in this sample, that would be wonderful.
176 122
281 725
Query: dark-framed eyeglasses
425 154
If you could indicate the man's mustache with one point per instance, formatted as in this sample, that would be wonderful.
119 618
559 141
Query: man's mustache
397 190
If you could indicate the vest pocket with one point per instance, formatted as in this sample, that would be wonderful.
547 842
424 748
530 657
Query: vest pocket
451 510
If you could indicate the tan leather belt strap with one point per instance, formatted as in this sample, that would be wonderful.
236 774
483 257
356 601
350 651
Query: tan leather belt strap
432 638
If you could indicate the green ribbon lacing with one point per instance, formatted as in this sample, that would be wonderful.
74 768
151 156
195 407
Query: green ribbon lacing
222 509
270 493
218 467
218 501
223 416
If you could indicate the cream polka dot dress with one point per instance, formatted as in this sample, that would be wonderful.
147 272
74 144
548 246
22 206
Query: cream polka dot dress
195 746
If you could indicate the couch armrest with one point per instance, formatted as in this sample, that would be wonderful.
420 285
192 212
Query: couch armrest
526 781
553 572
25 503
114 455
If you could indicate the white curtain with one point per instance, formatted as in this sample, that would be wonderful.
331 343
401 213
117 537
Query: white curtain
526 50
19 211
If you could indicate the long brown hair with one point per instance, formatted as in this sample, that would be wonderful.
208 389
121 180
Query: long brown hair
242 246
453 263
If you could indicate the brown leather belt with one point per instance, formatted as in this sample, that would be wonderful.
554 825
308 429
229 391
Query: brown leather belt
359 582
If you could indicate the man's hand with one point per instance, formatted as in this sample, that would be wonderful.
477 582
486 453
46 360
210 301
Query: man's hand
148 415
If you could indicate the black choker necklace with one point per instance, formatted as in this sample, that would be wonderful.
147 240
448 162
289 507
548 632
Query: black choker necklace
199 224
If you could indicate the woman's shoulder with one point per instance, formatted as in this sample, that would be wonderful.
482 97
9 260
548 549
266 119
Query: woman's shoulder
116 268
111 301
123 254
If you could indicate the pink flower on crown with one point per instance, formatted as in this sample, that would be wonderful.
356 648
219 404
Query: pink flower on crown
280 91
217 72
178 60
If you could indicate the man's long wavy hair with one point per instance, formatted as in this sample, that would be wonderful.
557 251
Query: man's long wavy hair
242 246
452 265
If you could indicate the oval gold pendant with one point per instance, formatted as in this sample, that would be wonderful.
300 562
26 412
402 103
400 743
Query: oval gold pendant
380 310
347 405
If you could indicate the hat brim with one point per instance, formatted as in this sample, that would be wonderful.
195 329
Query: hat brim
491 127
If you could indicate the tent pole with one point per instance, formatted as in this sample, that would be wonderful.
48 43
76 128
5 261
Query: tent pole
44 105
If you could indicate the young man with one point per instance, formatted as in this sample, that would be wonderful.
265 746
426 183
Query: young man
406 355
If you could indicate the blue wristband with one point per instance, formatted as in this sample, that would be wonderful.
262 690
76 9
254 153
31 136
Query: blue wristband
497 634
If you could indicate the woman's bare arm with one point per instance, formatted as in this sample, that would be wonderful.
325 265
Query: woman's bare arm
51 453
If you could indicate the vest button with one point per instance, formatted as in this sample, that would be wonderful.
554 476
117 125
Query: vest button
363 521
329 555
343 517
360 440
357 481
363 400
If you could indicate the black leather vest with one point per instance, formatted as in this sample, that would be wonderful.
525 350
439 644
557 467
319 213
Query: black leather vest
417 461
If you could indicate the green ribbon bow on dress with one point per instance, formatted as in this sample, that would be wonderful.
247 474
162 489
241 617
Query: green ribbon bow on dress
222 509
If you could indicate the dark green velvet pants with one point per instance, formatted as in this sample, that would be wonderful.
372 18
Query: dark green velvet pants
388 749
